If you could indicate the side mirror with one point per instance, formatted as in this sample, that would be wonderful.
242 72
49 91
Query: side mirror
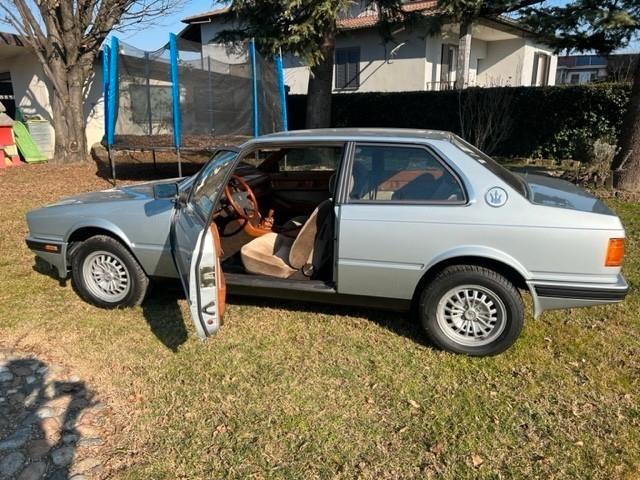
165 191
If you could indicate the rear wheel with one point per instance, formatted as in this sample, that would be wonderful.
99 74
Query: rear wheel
105 274
471 310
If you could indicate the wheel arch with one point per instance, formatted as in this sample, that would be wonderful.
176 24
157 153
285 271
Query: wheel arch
81 233
510 269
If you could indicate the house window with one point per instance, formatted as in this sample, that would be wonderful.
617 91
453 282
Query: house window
448 66
348 68
574 79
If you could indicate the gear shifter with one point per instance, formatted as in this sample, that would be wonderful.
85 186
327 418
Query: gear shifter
268 221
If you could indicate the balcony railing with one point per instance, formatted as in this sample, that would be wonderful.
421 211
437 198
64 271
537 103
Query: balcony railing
439 86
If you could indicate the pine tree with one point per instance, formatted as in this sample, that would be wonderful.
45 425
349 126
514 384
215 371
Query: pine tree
601 26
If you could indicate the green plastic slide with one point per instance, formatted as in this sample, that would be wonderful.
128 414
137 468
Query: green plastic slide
28 149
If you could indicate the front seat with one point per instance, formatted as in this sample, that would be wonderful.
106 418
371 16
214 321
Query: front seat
277 255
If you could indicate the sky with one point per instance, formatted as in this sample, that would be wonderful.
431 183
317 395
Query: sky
154 37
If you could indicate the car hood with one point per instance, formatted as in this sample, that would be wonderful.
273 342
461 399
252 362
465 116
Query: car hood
554 192
140 191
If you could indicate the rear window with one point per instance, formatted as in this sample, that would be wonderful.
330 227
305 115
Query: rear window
507 176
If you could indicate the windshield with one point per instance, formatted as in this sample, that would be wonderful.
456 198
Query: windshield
210 181
507 176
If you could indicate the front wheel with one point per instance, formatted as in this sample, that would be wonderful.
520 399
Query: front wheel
471 310
105 274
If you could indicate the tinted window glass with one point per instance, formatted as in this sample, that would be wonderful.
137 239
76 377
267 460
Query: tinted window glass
210 180
498 170
384 173
310 159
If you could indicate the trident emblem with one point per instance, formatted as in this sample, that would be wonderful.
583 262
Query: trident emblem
496 197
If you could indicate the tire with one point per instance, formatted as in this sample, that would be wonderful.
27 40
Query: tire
106 259
471 310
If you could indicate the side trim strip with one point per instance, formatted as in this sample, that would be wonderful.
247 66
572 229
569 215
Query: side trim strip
582 293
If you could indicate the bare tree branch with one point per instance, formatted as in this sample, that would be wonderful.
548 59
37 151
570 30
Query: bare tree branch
66 36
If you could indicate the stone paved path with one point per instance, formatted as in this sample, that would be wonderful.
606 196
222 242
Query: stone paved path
51 426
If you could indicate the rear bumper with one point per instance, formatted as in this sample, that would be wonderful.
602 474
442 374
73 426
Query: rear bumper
52 252
555 295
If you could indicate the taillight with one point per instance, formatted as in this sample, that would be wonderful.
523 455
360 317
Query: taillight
615 252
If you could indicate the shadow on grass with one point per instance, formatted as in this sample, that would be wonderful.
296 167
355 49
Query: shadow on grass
38 420
162 313
164 317
44 268
404 324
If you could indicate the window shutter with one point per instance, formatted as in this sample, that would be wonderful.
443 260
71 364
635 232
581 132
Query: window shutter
341 68
347 68
534 76
354 68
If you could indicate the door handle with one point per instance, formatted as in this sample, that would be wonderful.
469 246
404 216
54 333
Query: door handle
207 309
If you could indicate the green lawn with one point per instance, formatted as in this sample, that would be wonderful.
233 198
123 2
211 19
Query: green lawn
288 390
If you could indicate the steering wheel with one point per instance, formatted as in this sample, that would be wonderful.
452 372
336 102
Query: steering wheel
242 201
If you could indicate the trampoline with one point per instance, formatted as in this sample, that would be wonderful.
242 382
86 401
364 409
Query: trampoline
189 97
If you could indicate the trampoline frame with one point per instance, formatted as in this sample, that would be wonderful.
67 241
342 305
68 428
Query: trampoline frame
110 54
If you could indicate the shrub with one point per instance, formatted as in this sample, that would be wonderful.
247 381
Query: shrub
552 122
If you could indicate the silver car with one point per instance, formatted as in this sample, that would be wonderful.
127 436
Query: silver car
369 217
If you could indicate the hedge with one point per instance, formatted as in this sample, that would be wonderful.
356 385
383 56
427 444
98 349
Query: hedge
550 122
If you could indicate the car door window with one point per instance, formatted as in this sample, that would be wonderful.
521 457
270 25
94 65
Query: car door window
210 181
402 174
310 159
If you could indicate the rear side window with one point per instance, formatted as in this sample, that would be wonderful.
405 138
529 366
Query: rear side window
311 159
402 174
298 159
507 176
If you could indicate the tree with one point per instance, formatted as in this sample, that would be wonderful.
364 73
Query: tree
601 26
66 37
307 29
482 119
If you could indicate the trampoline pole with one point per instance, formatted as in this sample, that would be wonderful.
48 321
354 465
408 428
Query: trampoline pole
153 152
179 163
254 85
112 164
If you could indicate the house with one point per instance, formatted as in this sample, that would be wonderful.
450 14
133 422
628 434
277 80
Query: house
502 52
23 85
581 69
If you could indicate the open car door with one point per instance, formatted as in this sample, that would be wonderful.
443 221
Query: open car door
207 286
195 245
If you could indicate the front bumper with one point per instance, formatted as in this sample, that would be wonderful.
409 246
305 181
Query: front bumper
52 252
556 295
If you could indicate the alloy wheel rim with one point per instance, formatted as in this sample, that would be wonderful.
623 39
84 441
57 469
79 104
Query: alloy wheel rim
106 276
471 315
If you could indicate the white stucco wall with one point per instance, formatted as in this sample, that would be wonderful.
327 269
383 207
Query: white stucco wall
31 92
434 56
504 64
416 62
392 67
531 48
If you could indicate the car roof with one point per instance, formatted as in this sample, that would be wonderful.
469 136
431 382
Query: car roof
354 134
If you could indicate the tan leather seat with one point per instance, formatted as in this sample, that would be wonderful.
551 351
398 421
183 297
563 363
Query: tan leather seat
268 255
277 255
